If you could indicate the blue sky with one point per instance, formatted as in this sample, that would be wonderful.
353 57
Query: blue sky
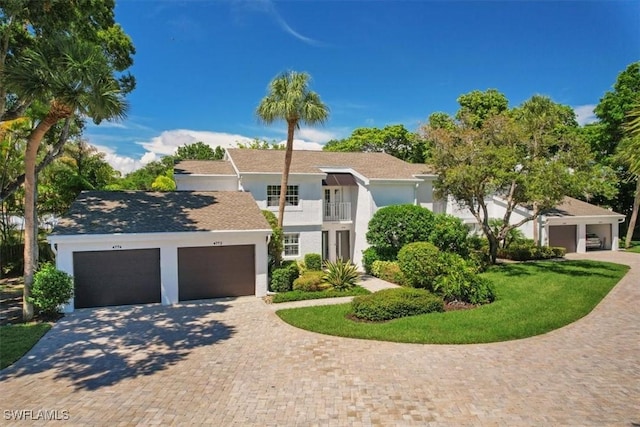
202 66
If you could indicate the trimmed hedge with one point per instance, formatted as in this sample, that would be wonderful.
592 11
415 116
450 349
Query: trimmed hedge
389 271
282 278
310 281
395 303
528 251
313 262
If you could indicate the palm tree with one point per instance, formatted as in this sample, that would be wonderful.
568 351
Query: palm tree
629 155
69 76
290 99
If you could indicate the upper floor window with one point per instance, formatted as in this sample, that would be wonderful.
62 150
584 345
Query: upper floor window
273 195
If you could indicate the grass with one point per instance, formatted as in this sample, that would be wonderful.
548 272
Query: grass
18 339
531 299
330 293
635 247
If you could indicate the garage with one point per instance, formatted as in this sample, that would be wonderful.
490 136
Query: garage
136 247
217 271
563 236
105 278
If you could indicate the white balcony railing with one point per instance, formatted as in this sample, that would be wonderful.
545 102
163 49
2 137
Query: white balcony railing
337 211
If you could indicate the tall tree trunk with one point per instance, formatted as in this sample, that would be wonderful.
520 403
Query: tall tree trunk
634 216
30 219
291 126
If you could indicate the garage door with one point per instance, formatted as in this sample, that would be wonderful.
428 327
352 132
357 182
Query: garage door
216 271
563 236
104 278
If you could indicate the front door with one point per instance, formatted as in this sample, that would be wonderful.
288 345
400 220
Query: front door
343 247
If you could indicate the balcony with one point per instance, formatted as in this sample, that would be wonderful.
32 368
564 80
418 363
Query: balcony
337 211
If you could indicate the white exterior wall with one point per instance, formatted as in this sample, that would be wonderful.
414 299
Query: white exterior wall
168 243
424 194
309 210
604 231
206 182
310 240
364 212
385 194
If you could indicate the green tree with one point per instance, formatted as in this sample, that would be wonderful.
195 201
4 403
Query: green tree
477 106
531 156
290 99
71 76
199 151
395 140
143 178
629 155
261 144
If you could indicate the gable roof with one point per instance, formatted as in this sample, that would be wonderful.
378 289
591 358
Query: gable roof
204 167
370 165
108 212
574 207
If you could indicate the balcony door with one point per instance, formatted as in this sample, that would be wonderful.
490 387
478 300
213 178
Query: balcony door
334 207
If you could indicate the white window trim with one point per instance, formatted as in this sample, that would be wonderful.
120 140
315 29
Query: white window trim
285 245
295 192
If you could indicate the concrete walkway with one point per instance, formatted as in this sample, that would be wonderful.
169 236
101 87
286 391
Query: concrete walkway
371 283
233 362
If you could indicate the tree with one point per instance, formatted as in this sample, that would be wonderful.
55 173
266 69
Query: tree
199 151
290 99
629 155
71 76
531 156
143 178
261 144
476 106
395 140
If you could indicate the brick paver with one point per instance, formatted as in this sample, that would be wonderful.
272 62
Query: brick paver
233 362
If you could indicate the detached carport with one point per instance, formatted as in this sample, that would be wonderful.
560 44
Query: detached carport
567 225
143 247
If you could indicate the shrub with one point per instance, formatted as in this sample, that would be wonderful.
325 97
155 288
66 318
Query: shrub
369 256
394 226
559 252
282 278
311 281
460 282
420 264
51 288
450 234
389 271
313 262
527 250
341 275
480 259
395 303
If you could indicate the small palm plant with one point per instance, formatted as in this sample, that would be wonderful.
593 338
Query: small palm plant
341 275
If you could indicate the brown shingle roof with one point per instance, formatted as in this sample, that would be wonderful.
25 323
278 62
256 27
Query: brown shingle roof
204 167
574 207
106 212
370 165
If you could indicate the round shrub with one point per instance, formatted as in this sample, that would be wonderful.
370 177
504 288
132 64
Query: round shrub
389 271
372 254
394 226
420 264
395 303
450 234
459 281
51 288
313 262
282 278
311 281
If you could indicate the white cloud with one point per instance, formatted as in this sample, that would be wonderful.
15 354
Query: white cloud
585 114
168 141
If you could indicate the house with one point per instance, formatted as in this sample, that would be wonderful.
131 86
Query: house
209 239
141 247
331 196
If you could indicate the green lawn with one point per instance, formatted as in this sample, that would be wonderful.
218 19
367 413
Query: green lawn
531 299
18 339
302 295
635 247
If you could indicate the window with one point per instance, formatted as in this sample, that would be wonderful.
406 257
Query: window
273 195
291 244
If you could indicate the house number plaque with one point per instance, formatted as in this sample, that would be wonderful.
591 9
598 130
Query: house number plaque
217 243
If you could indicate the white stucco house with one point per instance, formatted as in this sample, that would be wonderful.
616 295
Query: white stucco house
209 238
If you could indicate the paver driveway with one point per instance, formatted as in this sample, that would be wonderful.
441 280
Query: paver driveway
235 362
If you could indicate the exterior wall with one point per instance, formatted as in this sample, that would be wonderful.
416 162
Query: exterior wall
332 227
364 212
206 182
168 243
384 194
310 240
604 231
424 194
309 210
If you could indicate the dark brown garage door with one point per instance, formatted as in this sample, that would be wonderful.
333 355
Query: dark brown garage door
104 278
563 236
216 271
